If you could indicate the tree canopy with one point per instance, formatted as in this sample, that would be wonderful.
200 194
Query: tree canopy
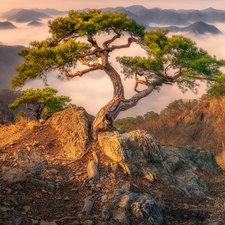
41 102
75 38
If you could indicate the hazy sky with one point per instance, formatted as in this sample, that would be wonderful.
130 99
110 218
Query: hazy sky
78 4
94 90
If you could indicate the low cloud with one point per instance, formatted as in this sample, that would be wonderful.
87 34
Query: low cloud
94 90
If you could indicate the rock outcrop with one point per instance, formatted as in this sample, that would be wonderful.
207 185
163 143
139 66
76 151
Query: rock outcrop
139 205
6 116
139 153
13 175
73 127
32 161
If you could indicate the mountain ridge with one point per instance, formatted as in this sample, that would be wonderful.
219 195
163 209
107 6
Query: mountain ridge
27 16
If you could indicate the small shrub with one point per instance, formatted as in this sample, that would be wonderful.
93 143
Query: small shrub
218 89
206 104
19 116
123 127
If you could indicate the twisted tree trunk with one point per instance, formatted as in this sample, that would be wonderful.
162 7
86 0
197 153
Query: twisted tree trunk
105 117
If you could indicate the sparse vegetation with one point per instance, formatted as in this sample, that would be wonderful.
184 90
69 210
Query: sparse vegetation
19 116
41 102
218 89
168 60
13 132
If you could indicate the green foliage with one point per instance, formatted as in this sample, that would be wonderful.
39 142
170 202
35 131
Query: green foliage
125 122
173 104
123 127
62 50
206 104
218 89
42 102
181 104
150 115
176 53
19 116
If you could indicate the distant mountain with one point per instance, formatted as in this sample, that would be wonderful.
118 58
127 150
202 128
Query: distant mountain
181 17
161 16
201 28
135 8
210 9
34 23
135 17
6 25
8 61
207 17
195 28
27 16
9 13
52 12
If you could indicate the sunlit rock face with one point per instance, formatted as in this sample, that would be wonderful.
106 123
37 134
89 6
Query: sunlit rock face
73 126
140 154
13 175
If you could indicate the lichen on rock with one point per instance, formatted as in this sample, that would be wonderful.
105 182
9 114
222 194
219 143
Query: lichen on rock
139 153
73 126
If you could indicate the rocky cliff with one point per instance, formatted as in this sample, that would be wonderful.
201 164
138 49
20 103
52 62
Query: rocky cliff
139 181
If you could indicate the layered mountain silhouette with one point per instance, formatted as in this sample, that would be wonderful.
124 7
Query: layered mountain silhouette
27 16
9 13
6 25
195 28
171 16
8 61
35 23
52 12
141 14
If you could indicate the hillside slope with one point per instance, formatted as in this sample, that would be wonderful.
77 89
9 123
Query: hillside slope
8 61
189 123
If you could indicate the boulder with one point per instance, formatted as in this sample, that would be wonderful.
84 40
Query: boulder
32 161
73 126
131 150
140 205
13 175
139 153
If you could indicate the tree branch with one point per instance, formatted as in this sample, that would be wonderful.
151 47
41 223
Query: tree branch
93 43
178 73
78 73
91 65
140 81
129 41
106 43
156 73
29 108
202 78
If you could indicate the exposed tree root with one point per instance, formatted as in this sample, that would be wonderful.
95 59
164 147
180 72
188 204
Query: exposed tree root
92 170
88 204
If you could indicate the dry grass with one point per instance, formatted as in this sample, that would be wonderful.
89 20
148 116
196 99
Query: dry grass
13 132
220 157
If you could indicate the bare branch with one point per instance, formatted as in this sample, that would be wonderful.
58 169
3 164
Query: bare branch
78 73
178 73
129 41
93 42
91 65
156 73
202 78
29 108
106 43
140 73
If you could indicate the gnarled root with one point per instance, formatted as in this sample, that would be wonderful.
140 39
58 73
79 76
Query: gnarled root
88 204
92 170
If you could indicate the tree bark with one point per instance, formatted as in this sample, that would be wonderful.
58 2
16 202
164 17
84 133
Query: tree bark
104 119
